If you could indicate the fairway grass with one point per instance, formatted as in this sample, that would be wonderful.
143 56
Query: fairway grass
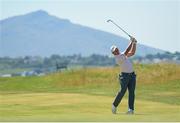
87 94
79 107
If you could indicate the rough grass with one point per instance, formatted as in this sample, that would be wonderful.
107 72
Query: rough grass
88 94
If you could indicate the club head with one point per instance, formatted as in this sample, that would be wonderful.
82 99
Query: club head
109 20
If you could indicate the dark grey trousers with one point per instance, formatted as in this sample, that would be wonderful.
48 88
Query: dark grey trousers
127 81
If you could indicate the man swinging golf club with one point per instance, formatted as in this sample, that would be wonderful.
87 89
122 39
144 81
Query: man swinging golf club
127 77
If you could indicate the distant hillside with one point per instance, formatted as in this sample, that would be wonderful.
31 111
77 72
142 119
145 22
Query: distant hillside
39 33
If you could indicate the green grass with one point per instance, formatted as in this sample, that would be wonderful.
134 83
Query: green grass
12 71
79 107
87 94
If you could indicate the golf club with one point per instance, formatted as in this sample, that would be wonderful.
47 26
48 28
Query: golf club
119 27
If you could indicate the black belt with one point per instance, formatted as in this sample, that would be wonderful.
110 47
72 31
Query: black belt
128 74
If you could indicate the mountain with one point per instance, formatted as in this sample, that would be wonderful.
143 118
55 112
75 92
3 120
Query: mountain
38 33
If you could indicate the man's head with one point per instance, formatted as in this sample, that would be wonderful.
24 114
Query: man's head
115 50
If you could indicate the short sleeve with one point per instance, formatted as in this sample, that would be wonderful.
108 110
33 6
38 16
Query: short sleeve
120 58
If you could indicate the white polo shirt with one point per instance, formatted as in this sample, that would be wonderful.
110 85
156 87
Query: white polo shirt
124 62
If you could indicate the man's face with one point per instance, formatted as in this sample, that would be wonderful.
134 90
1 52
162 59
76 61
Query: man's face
116 52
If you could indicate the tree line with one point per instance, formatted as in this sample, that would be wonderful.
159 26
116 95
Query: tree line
55 60
73 60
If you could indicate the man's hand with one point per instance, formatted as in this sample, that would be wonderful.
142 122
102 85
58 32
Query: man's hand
133 40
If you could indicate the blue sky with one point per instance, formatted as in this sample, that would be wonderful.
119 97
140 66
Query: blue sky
154 23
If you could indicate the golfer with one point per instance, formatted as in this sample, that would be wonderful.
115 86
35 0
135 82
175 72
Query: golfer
127 77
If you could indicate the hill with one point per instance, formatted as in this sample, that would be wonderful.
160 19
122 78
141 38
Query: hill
39 33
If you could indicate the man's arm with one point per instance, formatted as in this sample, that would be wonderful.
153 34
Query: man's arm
128 49
132 51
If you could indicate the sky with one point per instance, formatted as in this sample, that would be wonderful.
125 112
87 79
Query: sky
153 23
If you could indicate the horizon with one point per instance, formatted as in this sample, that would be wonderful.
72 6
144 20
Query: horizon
147 35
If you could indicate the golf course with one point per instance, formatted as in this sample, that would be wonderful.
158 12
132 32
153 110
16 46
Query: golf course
87 94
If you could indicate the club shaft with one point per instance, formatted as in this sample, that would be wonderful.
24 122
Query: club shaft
121 28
